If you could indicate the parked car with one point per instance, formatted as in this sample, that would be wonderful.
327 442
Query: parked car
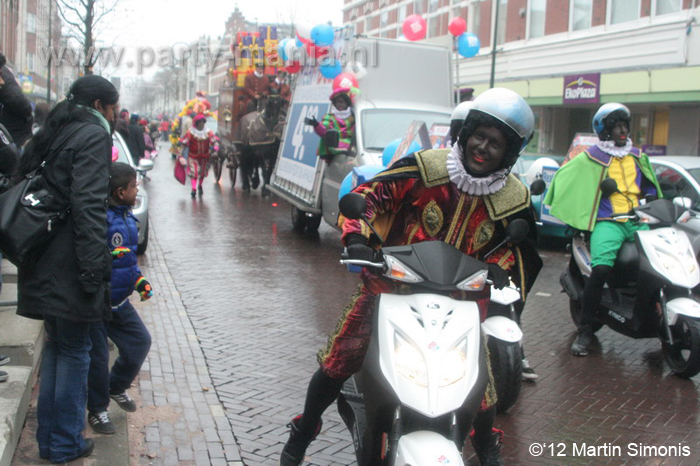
678 176
140 210
527 169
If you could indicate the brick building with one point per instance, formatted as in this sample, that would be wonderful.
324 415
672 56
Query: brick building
644 53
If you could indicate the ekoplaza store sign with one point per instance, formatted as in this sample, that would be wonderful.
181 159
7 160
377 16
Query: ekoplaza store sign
582 89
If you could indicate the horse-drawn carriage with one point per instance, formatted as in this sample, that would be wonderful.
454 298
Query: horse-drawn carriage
249 132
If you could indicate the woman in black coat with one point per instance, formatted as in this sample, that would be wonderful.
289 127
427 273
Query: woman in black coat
68 284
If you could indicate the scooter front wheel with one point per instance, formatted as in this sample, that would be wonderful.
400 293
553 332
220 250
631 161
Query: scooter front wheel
507 367
683 356
576 311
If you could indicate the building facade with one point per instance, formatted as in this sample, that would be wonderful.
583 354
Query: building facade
567 57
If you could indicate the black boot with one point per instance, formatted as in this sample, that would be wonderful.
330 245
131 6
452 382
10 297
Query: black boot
200 190
580 346
295 449
488 449
193 194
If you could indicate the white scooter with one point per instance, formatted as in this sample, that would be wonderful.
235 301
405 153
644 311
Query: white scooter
649 294
424 374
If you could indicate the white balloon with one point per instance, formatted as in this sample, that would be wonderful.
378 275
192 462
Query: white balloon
291 50
304 30
357 68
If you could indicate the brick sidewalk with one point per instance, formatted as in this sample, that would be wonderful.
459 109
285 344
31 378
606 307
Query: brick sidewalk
180 420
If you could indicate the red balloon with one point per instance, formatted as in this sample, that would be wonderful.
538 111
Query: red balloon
345 79
293 67
313 50
457 26
415 27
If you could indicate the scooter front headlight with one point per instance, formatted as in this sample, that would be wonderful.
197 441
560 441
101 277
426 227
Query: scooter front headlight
409 361
454 364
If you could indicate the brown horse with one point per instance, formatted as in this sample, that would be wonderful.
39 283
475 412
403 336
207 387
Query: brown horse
257 142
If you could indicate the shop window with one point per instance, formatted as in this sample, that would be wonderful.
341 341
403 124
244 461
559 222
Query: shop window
640 129
581 14
664 7
535 17
622 11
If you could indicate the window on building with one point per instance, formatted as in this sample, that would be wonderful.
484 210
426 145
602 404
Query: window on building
30 62
474 18
622 11
664 7
31 23
402 14
581 14
419 7
535 17
434 26
368 23
502 23
383 19
433 5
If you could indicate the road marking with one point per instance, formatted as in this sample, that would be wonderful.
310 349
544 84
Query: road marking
546 295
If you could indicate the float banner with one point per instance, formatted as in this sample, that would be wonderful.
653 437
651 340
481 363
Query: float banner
582 89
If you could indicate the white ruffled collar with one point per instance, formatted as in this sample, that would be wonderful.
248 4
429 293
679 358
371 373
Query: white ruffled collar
200 133
610 148
342 114
473 185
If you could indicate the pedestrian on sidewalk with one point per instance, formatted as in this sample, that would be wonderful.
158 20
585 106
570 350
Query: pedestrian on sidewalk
68 284
125 329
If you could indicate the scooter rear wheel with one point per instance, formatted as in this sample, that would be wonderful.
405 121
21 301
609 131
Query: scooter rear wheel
683 357
576 311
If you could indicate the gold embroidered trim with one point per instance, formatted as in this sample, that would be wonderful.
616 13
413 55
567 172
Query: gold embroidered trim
432 164
505 258
413 233
324 352
483 234
455 217
490 397
465 223
514 196
432 218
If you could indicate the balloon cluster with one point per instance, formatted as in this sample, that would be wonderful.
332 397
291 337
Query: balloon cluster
468 44
317 43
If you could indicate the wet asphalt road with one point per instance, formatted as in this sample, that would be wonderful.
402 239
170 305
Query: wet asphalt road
262 299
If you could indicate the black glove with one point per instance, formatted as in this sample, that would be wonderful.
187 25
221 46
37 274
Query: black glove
311 121
498 276
360 252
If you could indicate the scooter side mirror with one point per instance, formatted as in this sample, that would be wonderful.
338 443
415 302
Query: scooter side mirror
608 186
517 230
352 206
537 187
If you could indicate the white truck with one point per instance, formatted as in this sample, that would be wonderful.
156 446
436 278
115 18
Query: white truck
400 82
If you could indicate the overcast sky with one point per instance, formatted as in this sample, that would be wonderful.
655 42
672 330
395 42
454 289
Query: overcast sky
158 22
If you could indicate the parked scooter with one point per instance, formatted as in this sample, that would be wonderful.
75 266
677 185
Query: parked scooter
424 374
649 294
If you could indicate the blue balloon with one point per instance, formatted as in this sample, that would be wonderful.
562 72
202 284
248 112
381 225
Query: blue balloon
330 70
280 49
468 45
390 150
299 42
358 176
322 35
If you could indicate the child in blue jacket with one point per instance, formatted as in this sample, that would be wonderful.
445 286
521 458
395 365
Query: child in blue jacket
126 329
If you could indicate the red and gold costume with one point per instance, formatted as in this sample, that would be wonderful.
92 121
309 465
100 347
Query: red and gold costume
415 201
254 86
200 143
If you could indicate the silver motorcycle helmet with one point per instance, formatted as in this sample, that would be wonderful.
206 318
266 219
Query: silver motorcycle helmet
511 111
459 114
605 116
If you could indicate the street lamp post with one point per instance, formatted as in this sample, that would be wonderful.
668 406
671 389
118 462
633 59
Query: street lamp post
493 48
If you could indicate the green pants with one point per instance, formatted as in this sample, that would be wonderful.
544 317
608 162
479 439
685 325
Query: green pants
607 239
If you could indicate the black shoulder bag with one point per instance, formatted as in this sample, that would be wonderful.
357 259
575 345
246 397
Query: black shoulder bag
30 215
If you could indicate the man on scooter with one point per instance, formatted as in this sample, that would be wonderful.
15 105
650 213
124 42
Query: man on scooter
576 199
464 196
